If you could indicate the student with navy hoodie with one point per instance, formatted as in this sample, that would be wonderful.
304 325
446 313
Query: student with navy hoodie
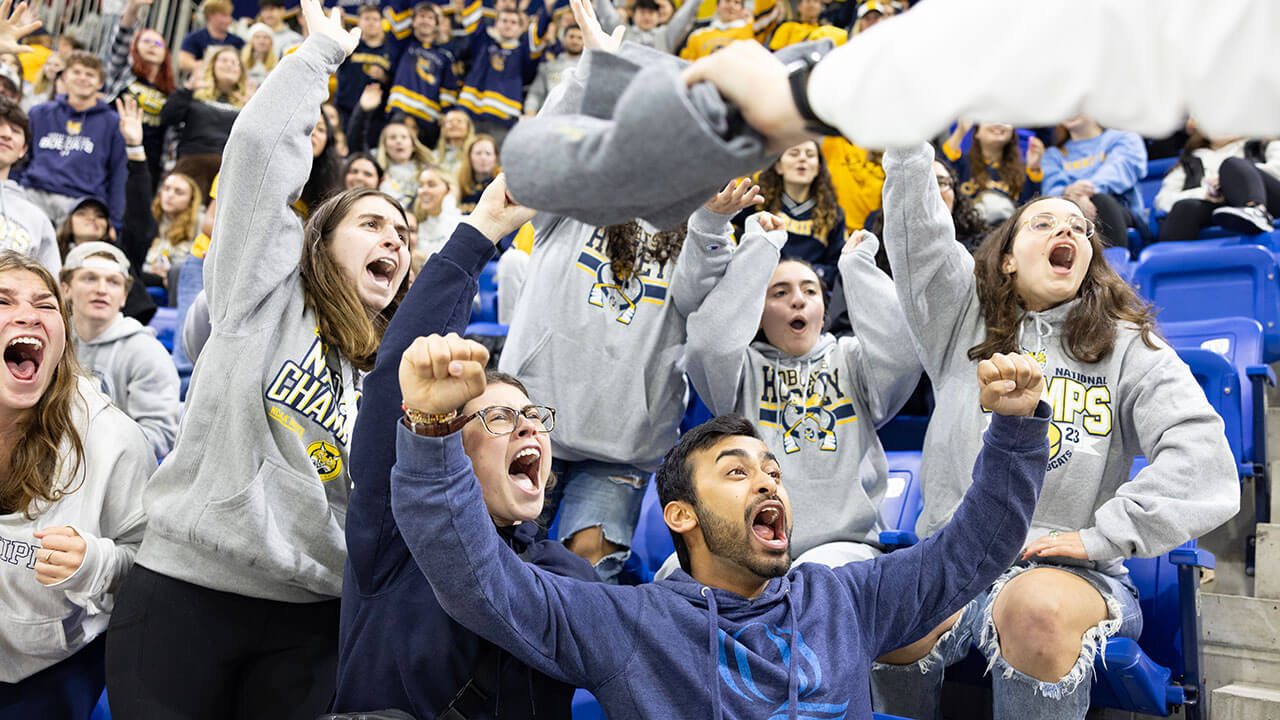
76 146
736 632
379 665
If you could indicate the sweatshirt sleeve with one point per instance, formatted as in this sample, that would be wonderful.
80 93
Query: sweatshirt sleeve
907 593
886 367
608 15
544 620
1172 190
1191 484
933 274
153 392
1126 161
1186 55
139 224
439 301
176 106
264 167
117 173
708 246
721 328
49 255
680 23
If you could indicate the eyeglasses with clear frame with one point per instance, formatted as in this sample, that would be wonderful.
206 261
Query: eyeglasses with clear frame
1047 223
502 420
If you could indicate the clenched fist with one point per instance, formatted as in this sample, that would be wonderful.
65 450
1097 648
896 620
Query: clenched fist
1010 384
440 374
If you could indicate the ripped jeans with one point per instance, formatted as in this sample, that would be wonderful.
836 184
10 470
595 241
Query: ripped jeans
590 494
915 690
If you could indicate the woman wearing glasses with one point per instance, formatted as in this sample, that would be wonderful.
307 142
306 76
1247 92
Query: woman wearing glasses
1038 284
393 631
141 65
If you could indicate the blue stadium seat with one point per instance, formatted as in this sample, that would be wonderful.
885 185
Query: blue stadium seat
159 294
902 501
1215 282
1118 257
489 277
651 545
101 711
1157 169
165 324
492 329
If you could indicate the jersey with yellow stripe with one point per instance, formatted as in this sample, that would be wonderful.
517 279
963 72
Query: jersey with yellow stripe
424 85
494 88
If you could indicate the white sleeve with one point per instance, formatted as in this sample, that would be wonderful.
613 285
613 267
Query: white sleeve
1140 65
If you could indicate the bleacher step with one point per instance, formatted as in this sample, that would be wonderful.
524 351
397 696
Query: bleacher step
1241 642
1266 579
1240 701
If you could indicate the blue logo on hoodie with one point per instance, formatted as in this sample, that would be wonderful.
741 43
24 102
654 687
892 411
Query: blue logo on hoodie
737 674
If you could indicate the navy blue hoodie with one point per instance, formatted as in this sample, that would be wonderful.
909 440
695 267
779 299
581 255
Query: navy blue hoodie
397 647
678 649
77 153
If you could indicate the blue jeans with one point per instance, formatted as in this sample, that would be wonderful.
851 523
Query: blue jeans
914 690
68 690
596 494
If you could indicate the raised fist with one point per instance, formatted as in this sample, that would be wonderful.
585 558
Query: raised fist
1010 384
440 374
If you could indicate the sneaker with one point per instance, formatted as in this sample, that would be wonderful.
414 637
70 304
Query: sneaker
1248 220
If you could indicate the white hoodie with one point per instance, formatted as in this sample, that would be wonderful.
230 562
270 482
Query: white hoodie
43 625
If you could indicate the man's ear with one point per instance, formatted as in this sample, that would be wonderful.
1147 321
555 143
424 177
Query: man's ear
680 517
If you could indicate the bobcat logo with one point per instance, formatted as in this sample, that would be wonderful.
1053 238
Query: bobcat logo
805 409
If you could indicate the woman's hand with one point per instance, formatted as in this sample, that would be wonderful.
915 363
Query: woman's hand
329 25
593 36
371 98
1057 544
440 374
769 222
1010 384
130 119
855 239
496 214
60 555
735 197
1035 153
14 26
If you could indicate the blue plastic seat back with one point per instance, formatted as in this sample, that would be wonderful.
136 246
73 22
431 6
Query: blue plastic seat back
1203 283
1118 257
488 329
165 323
489 277
1158 168
1221 386
652 540
902 501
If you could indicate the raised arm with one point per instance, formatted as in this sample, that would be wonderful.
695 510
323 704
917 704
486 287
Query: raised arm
932 272
708 244
680 23
265 164
139 224
721 329
607 14
887 366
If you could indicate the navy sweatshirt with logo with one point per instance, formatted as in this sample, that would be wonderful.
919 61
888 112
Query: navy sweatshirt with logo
78 153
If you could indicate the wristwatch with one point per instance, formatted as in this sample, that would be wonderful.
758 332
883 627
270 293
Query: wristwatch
798 70
433 425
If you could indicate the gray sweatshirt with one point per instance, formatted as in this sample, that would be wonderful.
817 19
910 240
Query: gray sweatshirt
253 498
1136 401
817 412
26 228
663 38
137 373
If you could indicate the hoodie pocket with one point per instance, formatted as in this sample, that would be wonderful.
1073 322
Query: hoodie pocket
282 523
42 639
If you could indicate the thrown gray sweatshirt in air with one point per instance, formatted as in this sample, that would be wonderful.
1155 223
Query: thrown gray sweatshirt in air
818 412
1135 401
253 498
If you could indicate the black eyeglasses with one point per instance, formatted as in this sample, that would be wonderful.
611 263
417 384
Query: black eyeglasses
502 420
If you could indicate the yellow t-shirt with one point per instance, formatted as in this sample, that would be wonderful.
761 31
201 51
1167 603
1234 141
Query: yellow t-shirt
33 62
708 40
857 179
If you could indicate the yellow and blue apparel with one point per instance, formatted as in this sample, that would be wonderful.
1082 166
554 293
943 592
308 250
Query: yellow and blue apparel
969 185
424 84
494 88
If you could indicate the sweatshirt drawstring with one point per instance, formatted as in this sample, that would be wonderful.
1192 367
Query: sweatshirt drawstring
1041 326
793 677
713 637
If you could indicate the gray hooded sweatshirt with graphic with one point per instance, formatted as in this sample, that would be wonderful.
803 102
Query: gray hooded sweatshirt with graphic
25 228
817 412
1135 401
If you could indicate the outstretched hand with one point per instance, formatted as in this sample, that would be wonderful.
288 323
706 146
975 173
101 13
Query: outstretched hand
594 36
14 26
769 222
130 119
856 238
1010 384
329 25
496 214
751 79
734 197
440 374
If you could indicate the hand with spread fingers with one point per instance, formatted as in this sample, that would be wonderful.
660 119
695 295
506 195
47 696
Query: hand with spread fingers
593 35
14 26
769 222
331 25
440 374
60 555
1057 544
1010 384
734 197
130 119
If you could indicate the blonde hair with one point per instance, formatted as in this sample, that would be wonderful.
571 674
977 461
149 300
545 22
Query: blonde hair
467 182
36 458
247 59
443 144
211 93
419 213
422 155
186 224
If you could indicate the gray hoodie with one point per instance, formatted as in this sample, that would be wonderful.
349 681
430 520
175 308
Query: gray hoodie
818 412
1136 401
253 498
25 228
137 373
663 38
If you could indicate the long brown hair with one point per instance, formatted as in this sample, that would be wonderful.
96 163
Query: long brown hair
826 209
1104 300
186 224
35 462
467 182
345 323
628 245
1011 170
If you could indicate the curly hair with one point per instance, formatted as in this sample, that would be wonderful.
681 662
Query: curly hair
826 208
628 246
1105 300
35 461
1011 172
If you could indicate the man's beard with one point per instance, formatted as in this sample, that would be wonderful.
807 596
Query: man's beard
732 542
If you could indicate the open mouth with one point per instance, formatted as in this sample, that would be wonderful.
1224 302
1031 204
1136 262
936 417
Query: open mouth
798 324
1062 257
768 524
23 356
523 469
383 271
